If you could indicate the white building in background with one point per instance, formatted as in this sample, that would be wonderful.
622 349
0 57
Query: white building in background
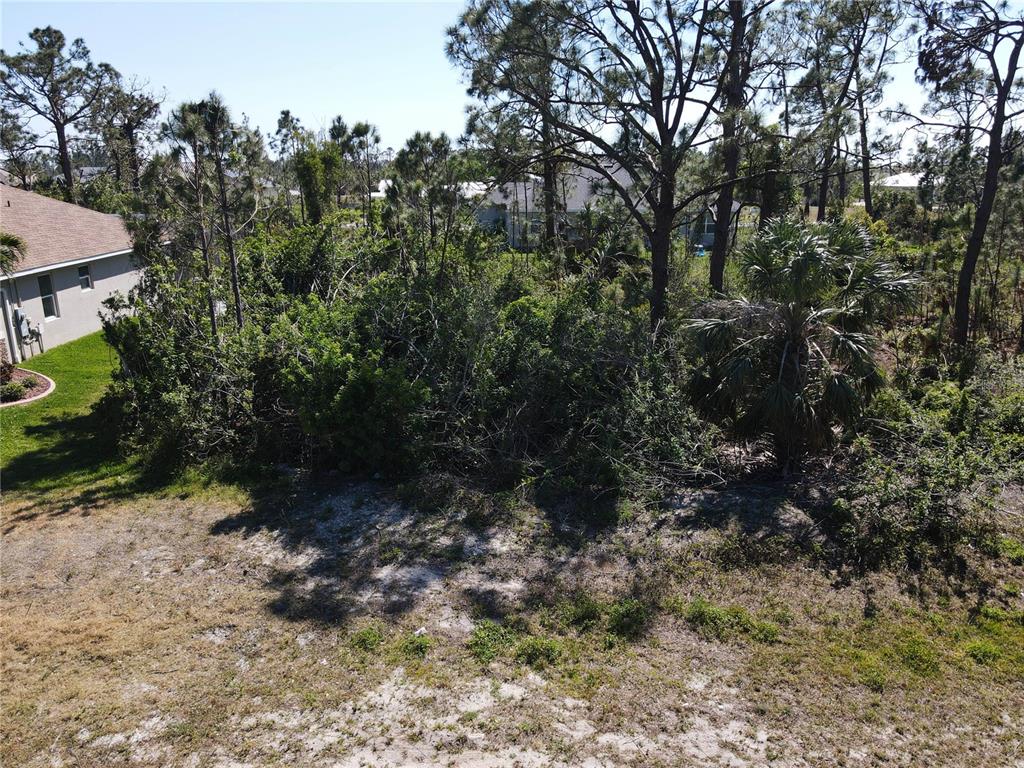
74 259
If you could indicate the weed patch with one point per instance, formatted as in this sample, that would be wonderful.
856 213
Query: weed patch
368 639
415 646
490 640
714 622
984 652
580 612
628 618
1012 549
538 652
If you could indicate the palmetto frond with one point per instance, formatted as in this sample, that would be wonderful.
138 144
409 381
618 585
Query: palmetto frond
852 348
874 287
786 262
12 250
841 398
715 335
801 359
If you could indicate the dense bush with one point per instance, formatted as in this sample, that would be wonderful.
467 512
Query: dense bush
349 360
356 355
12 391
927 470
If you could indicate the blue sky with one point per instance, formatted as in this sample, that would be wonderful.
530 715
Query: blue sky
382 61
378 61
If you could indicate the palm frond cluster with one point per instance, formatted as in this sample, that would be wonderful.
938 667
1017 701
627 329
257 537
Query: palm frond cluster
798 358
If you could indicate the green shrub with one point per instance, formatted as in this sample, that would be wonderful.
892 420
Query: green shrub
925 508
580 612
415 646
368 638
12 391
984 652
490 640
715 622
917 654
871 674
1012 550
628 618
538 652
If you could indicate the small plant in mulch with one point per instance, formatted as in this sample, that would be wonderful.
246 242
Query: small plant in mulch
21 385
6 369
12 392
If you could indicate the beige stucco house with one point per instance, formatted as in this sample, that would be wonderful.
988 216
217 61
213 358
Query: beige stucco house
74 259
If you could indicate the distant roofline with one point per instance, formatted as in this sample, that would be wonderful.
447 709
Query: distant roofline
68 263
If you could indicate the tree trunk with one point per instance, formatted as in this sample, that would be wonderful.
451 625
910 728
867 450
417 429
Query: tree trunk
549 182
64 155
133 159
823 184
785 104
865 155
769 191
962 305
369 190
661 246
204 245
229 241
730 144
661 242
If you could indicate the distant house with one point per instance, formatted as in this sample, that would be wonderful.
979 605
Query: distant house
905 182
74 259
699 229
517 208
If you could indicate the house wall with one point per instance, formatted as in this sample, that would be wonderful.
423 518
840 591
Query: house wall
77 309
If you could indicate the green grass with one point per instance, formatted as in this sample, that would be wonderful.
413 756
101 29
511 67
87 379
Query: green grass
715 622
490 640
57 443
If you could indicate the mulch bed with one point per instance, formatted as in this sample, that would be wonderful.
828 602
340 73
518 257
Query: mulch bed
34 384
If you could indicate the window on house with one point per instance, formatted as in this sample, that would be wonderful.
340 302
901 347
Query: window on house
47 297
84 277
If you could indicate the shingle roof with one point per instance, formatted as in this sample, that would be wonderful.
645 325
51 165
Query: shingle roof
55 232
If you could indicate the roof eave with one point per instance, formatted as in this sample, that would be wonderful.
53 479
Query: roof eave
69 263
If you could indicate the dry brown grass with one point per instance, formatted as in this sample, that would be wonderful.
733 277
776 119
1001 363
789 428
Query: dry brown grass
213 632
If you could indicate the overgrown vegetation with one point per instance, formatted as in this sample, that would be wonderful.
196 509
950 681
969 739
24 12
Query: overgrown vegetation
405 317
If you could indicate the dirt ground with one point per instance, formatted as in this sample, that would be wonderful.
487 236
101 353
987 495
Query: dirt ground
336 629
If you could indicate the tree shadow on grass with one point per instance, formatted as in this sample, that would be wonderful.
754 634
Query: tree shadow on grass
343 552
75 466
335 551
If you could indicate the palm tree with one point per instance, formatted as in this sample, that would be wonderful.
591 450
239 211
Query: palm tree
798 359
12 250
